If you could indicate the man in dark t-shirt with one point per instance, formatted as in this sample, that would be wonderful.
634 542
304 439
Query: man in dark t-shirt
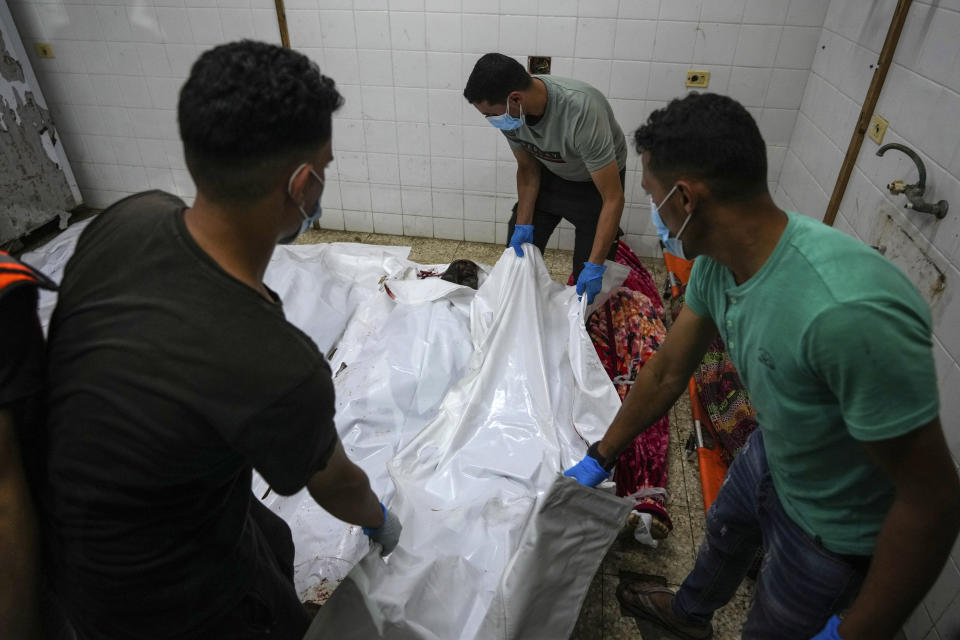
173 373
21 386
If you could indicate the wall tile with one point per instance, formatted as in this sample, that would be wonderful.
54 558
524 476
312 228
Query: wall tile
337 29
716 43
373 29
748 85
484 31
593 71
446 173
517 34
785 90
629 79
448 229
414 171
674 41
411 105
634 39
359 221
765 11
448 204
410 68
723 11
556 36
417 202
474 231
446 140
385 199
443 32
480 176
444 71
480 142
377 103
807 13
599 9
384 168
479 208
407 31
380 137
417 226
680 10
595 38
375 67
797 47
355 196
757 45
388 223
413 139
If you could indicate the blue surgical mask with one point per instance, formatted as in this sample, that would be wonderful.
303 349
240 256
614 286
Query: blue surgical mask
673 245
308 218
505 121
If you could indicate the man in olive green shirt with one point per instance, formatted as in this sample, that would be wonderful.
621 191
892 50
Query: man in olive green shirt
847 485
571 159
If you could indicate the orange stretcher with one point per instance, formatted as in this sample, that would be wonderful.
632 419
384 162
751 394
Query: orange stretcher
712 467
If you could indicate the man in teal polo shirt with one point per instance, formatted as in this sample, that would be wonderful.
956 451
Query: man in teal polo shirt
848 484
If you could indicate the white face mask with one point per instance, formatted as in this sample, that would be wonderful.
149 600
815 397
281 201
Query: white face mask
308 218
671 244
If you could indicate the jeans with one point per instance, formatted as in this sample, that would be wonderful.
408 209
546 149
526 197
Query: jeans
800 584
579 203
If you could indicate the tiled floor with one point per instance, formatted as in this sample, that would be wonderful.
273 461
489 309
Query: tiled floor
600 617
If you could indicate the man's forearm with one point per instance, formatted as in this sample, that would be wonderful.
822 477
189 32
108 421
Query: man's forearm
607 227
650 398
528 187
349 499
912 547
18 615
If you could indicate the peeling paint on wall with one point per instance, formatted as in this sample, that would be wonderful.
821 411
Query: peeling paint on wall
34 187
900 246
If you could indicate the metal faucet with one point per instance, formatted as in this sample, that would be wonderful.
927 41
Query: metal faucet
914 192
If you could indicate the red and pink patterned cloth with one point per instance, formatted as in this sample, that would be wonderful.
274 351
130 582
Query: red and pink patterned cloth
626 331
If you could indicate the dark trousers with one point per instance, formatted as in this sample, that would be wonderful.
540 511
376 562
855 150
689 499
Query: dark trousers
271 609
800 584
579 203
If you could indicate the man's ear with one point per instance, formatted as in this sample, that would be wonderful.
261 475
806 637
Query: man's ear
299 182
689 195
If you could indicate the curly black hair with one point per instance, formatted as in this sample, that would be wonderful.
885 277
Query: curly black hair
709 137
494 77
247 111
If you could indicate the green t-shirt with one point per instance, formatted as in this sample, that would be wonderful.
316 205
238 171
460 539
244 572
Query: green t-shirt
833 343
576 134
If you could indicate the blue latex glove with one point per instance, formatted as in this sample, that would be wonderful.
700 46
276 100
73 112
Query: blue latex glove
829 632
521 233
588 472
590 280
386 535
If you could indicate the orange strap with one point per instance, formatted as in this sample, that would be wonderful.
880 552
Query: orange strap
713 469
13 272
678 266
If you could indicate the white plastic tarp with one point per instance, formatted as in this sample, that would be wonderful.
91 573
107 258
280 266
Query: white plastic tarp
494 545
463 407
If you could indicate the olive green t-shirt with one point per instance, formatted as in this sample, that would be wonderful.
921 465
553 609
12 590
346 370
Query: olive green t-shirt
833 343
577 133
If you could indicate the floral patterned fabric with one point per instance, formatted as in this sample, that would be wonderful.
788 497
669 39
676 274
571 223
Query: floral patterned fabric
626 331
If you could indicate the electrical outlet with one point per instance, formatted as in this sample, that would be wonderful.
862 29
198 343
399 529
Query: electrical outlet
44 50
877 129
698 78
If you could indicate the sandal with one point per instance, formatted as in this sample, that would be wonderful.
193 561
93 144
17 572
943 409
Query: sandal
641 606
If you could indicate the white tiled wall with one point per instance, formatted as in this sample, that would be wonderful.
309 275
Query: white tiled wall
114 82
411 155
921 100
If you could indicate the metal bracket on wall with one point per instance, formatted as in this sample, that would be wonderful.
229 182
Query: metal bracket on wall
914 192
